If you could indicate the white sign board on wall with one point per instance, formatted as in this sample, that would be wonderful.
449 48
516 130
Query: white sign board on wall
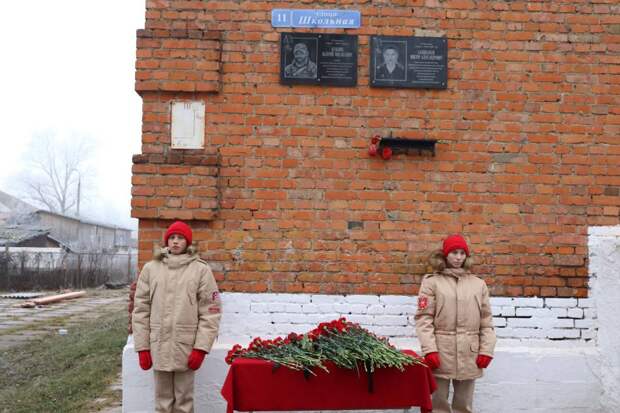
187 125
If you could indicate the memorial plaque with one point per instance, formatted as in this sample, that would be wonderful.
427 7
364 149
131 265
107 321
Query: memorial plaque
318 59
409 62
187 124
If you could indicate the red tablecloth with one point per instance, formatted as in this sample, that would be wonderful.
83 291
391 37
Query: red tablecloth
254 385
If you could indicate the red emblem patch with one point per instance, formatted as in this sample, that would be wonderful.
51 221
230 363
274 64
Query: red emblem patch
422 302
215 296
214 310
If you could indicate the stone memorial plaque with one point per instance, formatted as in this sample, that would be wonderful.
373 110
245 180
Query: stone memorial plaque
409 62
318 59
187 124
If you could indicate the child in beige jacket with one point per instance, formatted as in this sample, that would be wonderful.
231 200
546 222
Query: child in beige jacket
454 325
175 319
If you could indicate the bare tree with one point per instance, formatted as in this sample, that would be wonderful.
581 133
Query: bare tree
56 172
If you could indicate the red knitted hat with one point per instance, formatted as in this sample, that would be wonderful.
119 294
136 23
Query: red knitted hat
179 227
454 242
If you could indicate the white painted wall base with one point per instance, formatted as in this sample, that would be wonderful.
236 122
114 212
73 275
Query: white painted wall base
537 376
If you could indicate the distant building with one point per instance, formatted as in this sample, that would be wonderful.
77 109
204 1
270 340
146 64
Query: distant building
18 236
19 219
83 234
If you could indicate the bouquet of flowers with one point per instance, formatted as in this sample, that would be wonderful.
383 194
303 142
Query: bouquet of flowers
345 344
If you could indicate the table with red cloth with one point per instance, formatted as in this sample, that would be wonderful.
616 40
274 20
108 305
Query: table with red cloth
255 385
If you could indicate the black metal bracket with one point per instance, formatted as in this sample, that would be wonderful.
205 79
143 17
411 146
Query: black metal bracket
386 147
369 376
408 146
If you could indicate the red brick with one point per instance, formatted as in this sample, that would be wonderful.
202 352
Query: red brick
292 163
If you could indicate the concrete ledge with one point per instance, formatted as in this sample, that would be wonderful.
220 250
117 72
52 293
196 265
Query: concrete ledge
533 376
541 377
609 231
138 385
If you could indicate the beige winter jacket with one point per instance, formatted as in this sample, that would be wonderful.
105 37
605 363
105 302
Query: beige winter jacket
177 308
454 318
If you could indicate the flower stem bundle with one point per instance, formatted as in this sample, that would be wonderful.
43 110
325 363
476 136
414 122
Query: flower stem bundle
343 343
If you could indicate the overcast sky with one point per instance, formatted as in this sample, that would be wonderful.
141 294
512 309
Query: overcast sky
68 66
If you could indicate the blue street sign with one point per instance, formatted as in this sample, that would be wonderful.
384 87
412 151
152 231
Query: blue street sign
332 19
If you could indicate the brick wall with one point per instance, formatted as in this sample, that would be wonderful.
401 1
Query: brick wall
527 158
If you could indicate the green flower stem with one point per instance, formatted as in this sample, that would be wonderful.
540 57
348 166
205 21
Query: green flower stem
346 349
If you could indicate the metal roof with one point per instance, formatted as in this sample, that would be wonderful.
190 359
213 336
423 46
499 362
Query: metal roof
15 234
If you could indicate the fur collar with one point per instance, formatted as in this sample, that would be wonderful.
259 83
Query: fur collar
175 261
159 253
438 262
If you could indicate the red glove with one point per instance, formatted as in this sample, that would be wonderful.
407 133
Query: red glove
145 359
195 359
483 361
432 360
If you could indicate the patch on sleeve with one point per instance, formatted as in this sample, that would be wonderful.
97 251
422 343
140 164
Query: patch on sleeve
215 296
422 302
214 309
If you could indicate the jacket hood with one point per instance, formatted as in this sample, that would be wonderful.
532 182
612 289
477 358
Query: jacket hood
160 252
455 272
437 261
164 255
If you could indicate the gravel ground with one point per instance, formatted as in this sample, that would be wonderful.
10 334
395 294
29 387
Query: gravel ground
18 325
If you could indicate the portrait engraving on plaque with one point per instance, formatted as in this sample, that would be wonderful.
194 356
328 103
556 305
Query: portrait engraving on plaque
318 59
409 62
389 61
302 61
